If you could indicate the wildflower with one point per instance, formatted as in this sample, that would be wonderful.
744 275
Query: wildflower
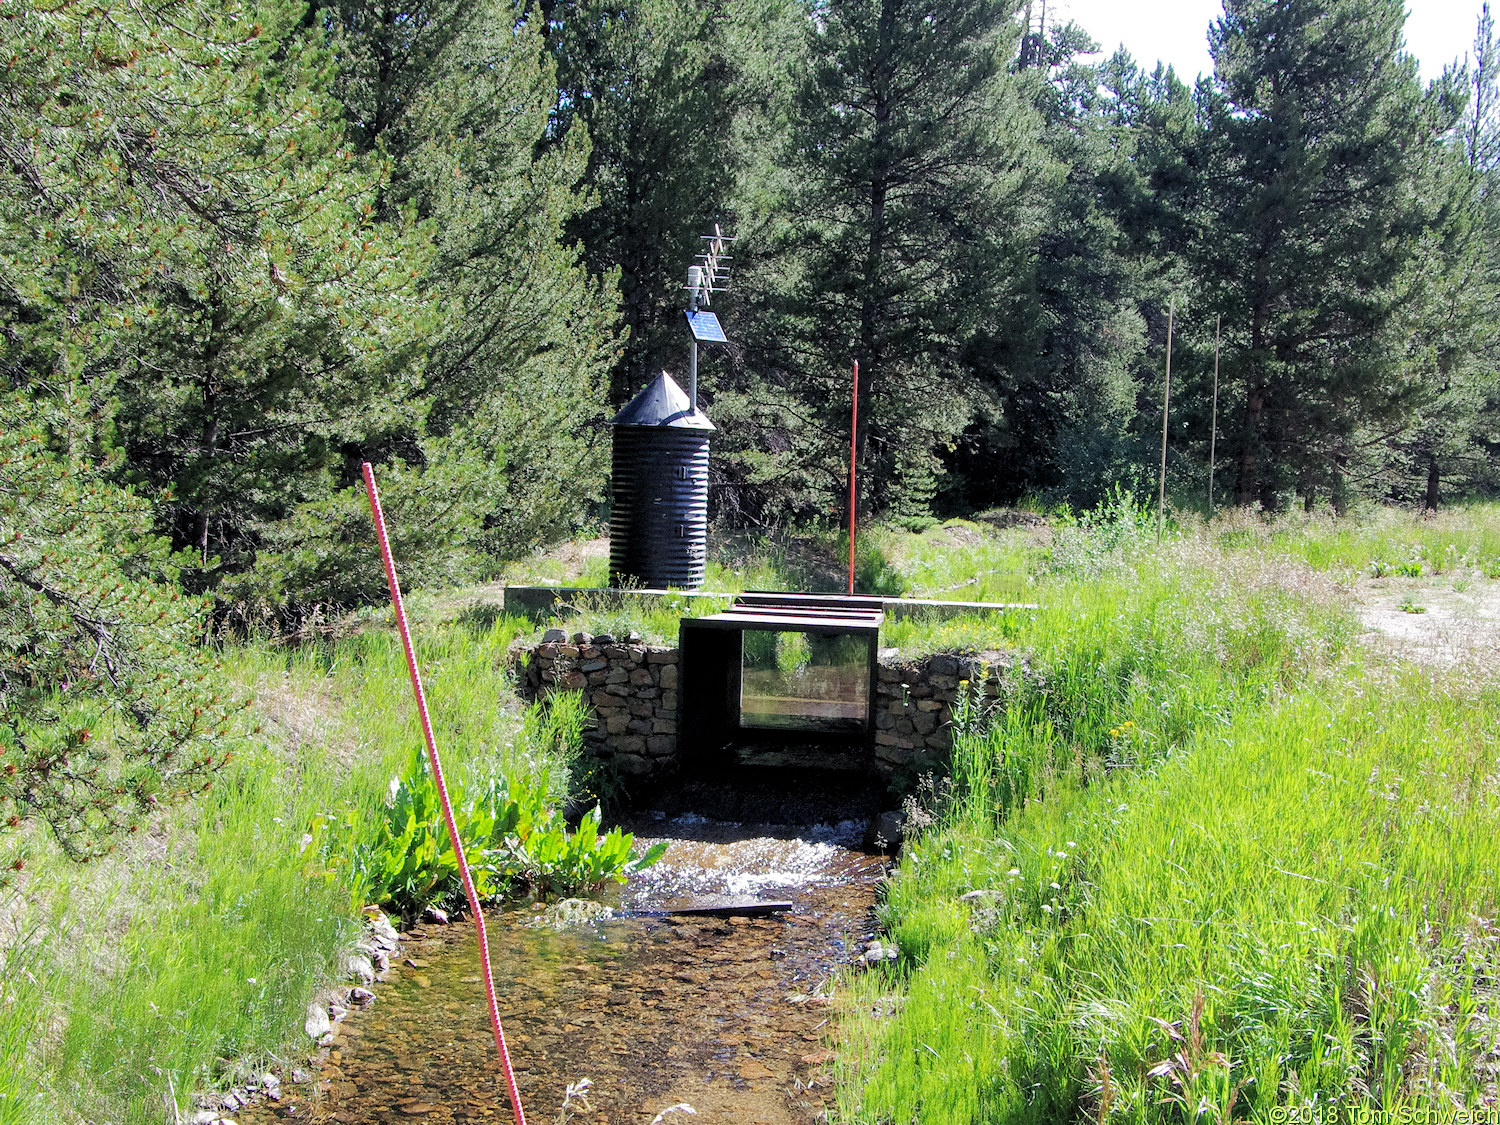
1046 908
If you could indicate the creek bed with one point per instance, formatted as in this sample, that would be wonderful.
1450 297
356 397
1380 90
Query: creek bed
726 1014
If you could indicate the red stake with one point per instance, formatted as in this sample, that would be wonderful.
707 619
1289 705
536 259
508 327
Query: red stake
853 452
437 776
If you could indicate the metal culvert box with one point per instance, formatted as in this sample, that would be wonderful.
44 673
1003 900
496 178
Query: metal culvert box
658 525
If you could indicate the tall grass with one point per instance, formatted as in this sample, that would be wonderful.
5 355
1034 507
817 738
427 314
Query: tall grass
960 560
1388 540
187 959
23 1010
1199 866
1318 876
656 620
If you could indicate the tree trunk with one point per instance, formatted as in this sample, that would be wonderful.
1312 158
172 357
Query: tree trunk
1247 479
210 448
1247 482
1431 502
1338 489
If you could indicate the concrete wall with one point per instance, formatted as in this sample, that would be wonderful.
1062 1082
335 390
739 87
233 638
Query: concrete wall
632 688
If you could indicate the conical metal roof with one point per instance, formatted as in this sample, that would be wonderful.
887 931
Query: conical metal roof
662 403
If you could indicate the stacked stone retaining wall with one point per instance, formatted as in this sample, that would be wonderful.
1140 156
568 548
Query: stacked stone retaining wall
632 689
915 700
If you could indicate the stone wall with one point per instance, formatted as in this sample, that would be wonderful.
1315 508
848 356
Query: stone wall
914 701
631 686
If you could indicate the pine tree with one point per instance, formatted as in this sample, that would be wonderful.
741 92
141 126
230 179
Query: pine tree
1313 153
647 82
913 161
507 394
1453 341
194 247
1065 394
110 705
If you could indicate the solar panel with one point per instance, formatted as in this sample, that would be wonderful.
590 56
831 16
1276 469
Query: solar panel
705 328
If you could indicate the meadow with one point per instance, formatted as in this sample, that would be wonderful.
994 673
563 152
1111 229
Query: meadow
1213 854
1215 859
186 960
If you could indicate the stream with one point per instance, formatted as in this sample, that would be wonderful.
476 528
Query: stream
725 1014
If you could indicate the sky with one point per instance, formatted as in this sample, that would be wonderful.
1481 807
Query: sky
1176 31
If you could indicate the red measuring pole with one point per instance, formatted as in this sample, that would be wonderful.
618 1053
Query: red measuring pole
442 787
853 453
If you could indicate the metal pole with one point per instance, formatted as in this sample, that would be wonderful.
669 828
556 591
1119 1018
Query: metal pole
1166 406
695 283
853 453
1213 426
437 777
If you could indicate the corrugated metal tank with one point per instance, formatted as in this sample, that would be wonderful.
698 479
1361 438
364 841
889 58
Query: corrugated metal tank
658 525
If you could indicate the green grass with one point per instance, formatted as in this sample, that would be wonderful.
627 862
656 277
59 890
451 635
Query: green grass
186 959
1390 541
1222 866
24 985
619 615
1237 816
1321 874
961 560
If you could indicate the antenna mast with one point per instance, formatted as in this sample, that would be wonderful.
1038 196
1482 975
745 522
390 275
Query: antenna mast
709 275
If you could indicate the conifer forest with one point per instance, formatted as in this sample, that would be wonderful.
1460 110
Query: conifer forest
248 246
1177 427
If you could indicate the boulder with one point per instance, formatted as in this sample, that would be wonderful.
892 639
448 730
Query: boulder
887 829
317 1023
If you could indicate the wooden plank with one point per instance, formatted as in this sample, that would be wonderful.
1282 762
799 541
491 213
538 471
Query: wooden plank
771 621
752 613
741 907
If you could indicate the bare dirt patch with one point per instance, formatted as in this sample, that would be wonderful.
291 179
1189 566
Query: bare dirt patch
1449 620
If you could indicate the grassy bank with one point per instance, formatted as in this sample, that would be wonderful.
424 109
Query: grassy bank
186 959
1210 863
1223 858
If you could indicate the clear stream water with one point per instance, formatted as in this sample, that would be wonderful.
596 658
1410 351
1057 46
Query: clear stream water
726 1015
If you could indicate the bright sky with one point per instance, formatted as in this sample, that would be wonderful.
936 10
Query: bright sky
1176 31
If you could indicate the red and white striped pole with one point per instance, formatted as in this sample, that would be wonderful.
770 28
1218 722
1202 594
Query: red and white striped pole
437 776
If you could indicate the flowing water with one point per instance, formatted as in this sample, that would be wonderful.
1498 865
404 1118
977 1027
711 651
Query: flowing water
725 1014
